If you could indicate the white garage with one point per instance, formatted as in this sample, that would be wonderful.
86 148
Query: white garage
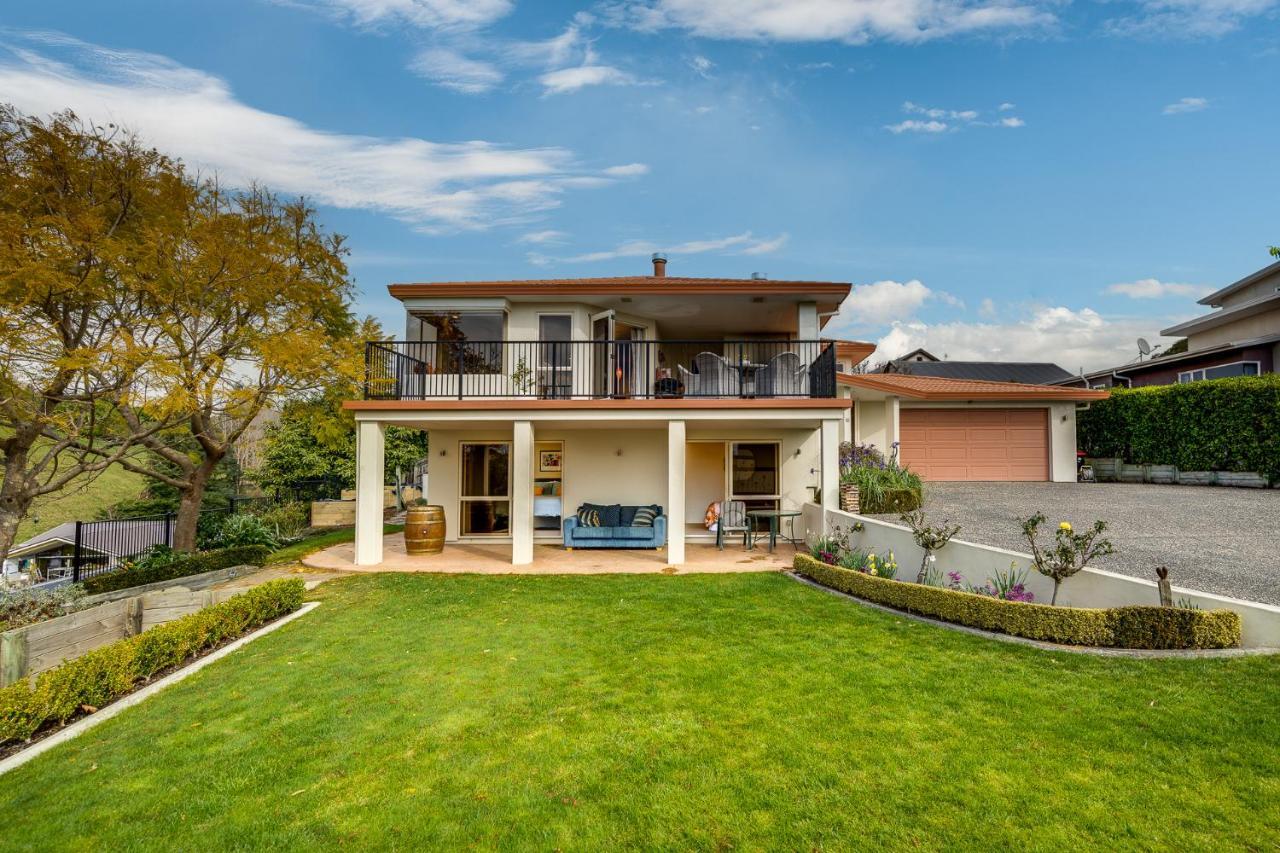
963 429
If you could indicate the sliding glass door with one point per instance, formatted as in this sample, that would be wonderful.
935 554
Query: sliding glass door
755 476
485 489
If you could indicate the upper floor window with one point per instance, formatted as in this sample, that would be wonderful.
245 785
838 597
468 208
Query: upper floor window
1221 371
474 337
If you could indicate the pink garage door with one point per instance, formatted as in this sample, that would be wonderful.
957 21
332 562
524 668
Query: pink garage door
976 444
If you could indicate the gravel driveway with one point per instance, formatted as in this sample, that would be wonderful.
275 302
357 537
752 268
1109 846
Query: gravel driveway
1218 540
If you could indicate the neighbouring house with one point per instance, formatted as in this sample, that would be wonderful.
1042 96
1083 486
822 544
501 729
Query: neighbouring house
545 394
101 545
921 362
1240 338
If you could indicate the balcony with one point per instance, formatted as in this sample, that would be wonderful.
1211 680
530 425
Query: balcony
599 369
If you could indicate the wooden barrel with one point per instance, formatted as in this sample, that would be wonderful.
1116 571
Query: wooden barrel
424 530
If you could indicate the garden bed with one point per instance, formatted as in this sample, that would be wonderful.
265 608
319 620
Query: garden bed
1135 627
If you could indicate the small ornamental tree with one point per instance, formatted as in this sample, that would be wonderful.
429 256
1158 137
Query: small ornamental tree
929 538
1070 551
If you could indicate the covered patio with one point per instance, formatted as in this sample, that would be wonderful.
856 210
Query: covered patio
462 558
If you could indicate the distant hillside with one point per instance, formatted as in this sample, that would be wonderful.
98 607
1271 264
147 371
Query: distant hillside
81 501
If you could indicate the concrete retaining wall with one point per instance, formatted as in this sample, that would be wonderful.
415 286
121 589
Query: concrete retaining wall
1090 588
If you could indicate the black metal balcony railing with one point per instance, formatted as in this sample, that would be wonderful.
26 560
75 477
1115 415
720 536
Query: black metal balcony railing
598 369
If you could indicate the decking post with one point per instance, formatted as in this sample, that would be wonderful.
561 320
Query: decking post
13 656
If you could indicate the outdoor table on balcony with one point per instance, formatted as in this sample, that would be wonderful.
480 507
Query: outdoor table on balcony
747 373
774 516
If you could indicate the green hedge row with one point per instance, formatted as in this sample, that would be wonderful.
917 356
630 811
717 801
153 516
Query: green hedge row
1212 425
107 673
1118 627
183 566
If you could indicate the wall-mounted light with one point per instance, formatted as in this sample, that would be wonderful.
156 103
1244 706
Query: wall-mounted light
797 453
618 452
444 453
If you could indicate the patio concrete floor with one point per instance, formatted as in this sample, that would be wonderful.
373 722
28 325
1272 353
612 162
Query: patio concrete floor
552 559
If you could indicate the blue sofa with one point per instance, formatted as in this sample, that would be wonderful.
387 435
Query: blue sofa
629 536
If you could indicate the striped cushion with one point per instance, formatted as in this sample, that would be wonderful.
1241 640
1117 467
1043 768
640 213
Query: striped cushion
589 516
644 517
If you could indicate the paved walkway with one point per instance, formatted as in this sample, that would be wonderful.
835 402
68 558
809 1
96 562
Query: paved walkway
554 559
1214 539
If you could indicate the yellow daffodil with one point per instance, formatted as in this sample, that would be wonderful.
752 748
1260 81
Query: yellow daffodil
1066 525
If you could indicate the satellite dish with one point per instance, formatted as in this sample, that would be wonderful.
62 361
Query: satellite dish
1144 347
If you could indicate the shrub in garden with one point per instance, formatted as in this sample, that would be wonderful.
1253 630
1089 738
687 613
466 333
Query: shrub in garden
930 539
27 605
1070 551
287 521
883 486
107 673
237 530
1121 627
167 566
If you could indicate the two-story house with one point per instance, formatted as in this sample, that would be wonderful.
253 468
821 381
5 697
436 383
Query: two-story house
545 394
1240 338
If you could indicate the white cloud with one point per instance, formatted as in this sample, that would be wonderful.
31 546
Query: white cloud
418 13
1188 18
194 115
987 309
627 170
912 125
1073 339
701 65
1150 288
851 21
938 120
1186 105
737 244
550 235
1006 106
454 71
817 66
580 76
766 247
883 302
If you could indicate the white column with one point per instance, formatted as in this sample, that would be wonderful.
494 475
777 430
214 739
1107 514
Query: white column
807 321
521 493
675 492
892 408
831 463
370 446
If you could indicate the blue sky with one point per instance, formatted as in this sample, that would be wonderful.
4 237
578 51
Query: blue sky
999 178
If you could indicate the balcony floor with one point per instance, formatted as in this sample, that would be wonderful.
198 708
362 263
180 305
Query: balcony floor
458 558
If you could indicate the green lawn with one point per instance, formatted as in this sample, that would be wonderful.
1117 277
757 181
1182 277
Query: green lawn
318 541
703 711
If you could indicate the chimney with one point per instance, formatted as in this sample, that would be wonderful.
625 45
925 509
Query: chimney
659 265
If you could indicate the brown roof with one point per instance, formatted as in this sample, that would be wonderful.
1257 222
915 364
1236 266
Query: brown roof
854 351
632 284
939 388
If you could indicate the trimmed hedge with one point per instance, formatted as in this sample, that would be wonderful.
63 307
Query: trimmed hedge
1211 425
107 673
1119 627
184 566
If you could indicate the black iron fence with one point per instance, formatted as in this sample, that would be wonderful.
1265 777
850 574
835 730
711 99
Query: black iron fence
599 369
103 546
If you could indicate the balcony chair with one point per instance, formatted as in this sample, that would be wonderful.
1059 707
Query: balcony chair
712 377
733 519
784 376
